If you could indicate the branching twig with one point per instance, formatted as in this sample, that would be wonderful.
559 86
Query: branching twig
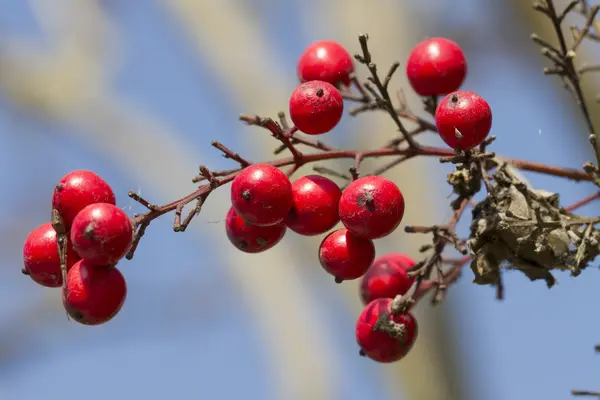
563 57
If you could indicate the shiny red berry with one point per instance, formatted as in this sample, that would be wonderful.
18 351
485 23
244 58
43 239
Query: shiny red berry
380 346
372 207
325 60
463 119
387 277
40 256
436 66
251 238
102 234
77 190
345 255
316 107
315 209
94 295
262 195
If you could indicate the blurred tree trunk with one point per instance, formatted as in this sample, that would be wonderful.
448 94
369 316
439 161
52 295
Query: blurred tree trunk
45 84
432 369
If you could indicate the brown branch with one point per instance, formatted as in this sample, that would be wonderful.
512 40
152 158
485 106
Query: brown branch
383 96
141 221
564 65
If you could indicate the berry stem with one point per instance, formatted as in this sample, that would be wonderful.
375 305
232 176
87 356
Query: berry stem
61 243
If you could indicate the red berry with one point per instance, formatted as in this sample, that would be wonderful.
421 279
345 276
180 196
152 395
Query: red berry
261 194
387 277
345 255
77 190
436 66
251 238
316 107
325 60
102 234
40 256
380 346
372 207
315 209
463 119
94 295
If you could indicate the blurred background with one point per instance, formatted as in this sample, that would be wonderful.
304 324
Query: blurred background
136 90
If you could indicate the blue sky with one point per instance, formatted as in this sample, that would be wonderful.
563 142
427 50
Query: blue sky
538 343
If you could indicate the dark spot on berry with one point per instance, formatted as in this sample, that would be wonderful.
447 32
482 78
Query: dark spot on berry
454 98
60 187
261 242
366 201
246 195
338 280
24 271
77 315
242 244
362 353
88 232
320 92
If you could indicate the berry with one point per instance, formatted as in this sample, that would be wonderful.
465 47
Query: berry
325 60
262 195
380 346
77 190
40 256
94 295
436 66
372 207
387 277
315 209
463 119
345 255
251 238
102 234
316 107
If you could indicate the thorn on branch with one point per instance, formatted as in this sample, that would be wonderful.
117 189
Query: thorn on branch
137 236
136 197
567 10
388 77
212 180
228 153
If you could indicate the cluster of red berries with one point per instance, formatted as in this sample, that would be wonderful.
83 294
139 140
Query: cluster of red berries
89 234
96 234
265 203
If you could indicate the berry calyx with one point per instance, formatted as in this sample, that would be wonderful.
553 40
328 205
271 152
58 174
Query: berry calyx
261 194
380 346
372 207
252 238
387 277
316 107
101 234
345 255
436 66
463 119
325 60
315 205
77 190
94 295
41 259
